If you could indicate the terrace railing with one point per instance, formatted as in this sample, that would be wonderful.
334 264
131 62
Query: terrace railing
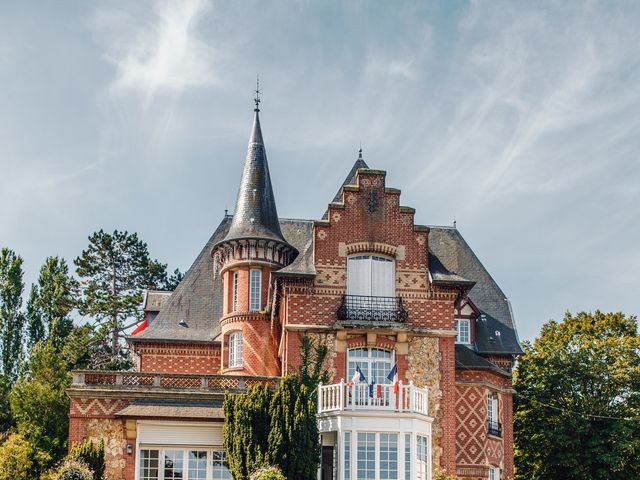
164 381
342 396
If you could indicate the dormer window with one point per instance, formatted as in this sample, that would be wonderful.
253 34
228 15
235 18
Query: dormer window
371 276
463 331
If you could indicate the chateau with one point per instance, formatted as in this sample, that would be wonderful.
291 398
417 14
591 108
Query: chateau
421 342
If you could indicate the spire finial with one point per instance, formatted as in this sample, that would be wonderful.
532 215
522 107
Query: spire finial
360 151
256 98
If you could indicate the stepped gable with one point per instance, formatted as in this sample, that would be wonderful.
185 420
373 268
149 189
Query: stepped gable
454 256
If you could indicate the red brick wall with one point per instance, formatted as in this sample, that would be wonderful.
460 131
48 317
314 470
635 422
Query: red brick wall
476 450
259 346
179 358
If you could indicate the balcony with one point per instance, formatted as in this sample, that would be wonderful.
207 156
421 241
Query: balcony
494 428
342 397
361 308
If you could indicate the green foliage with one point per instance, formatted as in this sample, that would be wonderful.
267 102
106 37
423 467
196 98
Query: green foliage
173 280
72 470
115 269
267 473
16 459
280 429
91 455
51 300
443 475
11 318
40 405
6 420
577 404
246 430
312 368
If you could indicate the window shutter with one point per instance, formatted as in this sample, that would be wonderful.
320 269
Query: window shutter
359 276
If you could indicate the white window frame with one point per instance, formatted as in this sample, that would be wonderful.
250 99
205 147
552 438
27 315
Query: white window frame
463 337
234 287
494 473
366 363
161 449
492 408
255 290
235 349
361 276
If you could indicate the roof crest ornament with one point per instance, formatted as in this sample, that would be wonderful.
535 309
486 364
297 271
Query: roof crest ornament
257 92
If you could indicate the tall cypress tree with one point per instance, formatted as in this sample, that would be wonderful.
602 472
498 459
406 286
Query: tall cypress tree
114 271
11 319
51 300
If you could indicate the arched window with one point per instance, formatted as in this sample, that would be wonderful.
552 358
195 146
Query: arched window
371 276
235 349
375 364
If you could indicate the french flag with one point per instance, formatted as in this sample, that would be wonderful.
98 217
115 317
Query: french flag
393 377
358 376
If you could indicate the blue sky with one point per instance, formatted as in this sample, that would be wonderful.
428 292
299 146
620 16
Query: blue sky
521 120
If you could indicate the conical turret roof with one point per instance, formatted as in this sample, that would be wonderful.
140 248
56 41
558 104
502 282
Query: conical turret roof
255 215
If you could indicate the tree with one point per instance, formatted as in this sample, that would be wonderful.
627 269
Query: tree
91 455
16 459
115 269
11 319
40 406
173 280
280 429
51 301
577 404
246 430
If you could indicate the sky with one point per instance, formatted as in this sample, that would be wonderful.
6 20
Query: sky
520 120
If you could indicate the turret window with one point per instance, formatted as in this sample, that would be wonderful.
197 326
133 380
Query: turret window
255 288
234 303
235 350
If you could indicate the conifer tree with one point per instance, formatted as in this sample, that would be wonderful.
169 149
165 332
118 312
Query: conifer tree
51 300
114 271
11 318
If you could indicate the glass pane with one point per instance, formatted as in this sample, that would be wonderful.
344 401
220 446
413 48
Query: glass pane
366 455
220 467
197 465
149 464
347 455
388 456
173 464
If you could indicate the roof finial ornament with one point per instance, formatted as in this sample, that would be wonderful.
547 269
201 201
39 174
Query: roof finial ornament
454 222
360 151
256 98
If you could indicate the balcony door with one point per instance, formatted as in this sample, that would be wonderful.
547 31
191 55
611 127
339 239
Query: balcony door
371 276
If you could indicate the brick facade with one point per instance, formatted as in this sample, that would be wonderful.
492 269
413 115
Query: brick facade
368 220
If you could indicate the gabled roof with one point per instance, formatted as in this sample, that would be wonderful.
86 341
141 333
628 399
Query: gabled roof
495 328
198 298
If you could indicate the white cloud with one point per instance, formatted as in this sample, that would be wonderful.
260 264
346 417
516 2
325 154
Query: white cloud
166 54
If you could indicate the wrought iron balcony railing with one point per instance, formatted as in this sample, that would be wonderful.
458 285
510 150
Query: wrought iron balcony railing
494 428
361 308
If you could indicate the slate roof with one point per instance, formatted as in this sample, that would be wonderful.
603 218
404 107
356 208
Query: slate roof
451 255
198 298
350 180
255 215
467 358
170 409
